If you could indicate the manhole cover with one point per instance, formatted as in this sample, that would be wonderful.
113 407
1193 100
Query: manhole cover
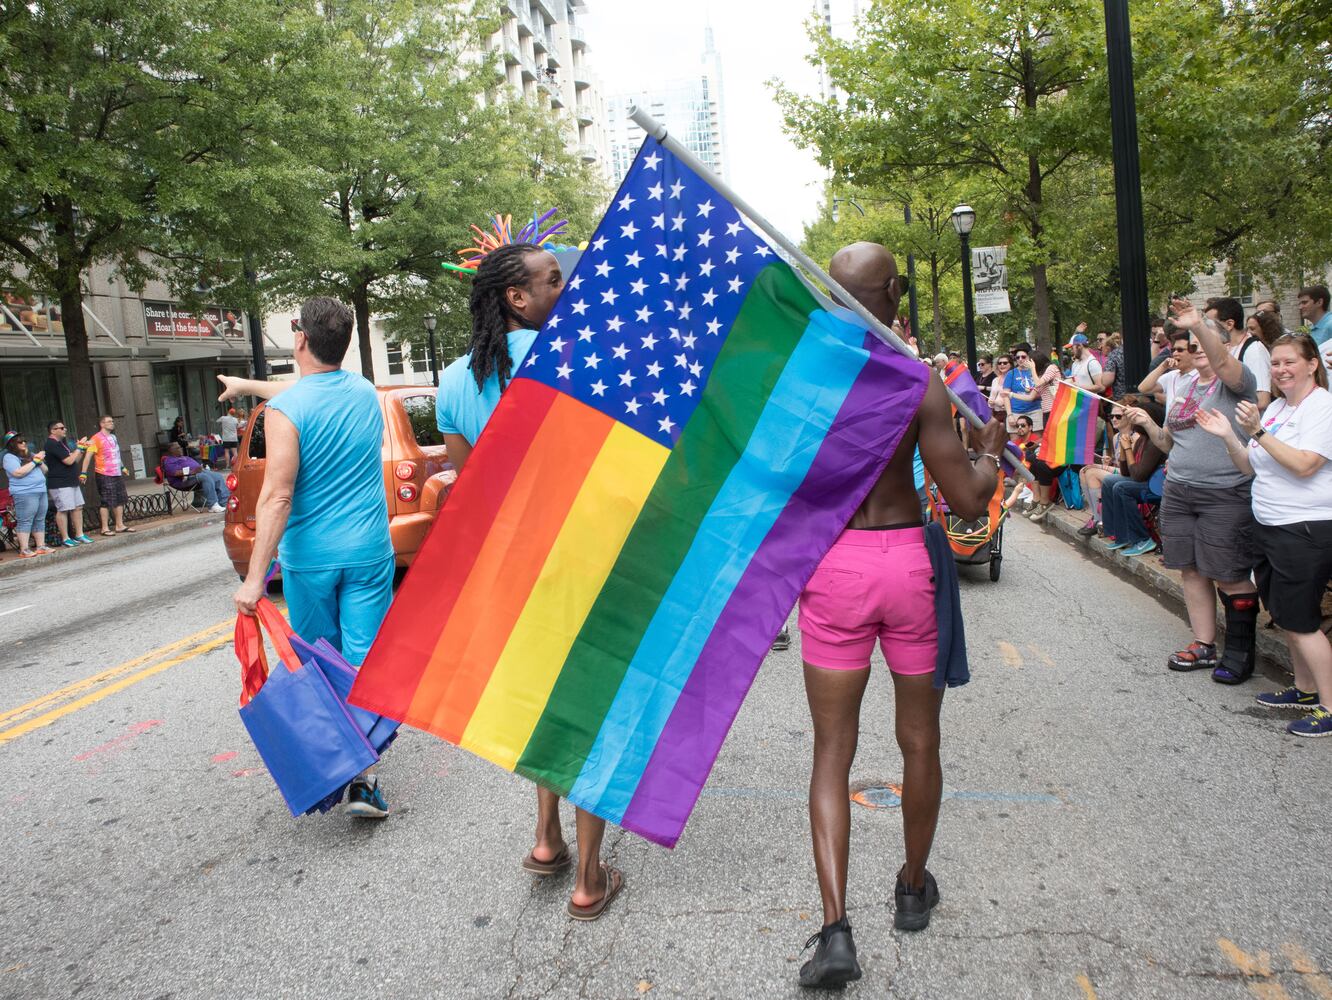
878 796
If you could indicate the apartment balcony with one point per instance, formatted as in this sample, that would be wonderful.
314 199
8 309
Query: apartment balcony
583 112
540 42
588 152
577 36
582 77
550 9
530 69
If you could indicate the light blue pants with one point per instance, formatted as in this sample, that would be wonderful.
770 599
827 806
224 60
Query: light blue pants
30 509
344 606
214 487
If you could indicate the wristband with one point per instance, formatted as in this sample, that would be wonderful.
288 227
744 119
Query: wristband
998 463
1259 433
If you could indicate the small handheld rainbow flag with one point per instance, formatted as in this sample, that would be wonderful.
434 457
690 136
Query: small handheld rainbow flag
689 434
1070 434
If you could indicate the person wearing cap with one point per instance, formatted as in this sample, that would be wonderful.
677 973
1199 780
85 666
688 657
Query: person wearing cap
1086 369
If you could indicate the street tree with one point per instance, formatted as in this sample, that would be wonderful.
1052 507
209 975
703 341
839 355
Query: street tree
997 95
117 120
414 137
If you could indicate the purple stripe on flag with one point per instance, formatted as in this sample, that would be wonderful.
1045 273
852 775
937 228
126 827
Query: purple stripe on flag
868 429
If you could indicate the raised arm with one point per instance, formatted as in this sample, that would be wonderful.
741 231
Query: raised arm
1226 366
966 485
234 387
1148 385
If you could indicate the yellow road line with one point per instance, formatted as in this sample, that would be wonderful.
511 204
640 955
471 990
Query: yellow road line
1087 989
78 687
110 689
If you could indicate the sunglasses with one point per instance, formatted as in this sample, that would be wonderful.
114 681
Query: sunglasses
1115 416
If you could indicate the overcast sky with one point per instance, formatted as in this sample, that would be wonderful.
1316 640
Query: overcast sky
636 43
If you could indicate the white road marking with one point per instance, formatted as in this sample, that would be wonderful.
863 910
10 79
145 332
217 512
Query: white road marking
14 611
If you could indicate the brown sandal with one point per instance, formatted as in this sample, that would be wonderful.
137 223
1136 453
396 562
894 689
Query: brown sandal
555 865
614 883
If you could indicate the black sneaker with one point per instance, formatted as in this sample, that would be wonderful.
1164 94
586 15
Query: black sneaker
365 800
834 963
914 905
783 640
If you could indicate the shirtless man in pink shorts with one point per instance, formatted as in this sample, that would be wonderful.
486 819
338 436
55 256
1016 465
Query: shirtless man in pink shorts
876 585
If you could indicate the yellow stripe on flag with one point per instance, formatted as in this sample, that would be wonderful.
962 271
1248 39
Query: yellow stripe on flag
576 569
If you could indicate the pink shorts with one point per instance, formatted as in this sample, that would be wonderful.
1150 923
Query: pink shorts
871 585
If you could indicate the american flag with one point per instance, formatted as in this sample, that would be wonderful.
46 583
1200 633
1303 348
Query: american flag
644 315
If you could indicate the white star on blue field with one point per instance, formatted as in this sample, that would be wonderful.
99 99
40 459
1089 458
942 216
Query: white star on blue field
646 311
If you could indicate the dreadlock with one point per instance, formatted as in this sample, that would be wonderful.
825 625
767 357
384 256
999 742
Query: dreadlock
502 268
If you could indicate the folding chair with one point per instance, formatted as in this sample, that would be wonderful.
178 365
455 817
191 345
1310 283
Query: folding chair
183 499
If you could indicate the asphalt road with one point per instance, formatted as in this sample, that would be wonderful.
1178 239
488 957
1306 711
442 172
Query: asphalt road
1109 830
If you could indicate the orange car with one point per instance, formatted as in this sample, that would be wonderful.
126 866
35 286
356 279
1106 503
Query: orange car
417 474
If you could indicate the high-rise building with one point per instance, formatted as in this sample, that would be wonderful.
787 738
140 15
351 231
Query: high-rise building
545 59
692 108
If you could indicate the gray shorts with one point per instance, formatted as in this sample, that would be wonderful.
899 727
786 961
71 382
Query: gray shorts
65 498
1210 530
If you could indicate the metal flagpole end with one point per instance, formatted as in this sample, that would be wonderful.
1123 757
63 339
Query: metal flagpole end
647 123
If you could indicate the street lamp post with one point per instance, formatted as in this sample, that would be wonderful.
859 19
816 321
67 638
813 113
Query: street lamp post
964 218
430 342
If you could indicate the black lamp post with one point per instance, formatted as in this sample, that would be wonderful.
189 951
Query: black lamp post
430 342
964 218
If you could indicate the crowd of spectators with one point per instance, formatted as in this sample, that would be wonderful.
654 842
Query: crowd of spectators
51 480
1219 457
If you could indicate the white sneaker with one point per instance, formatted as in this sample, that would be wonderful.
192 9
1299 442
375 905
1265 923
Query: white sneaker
217 508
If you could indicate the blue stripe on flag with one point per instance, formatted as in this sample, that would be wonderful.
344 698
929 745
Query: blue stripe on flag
795 420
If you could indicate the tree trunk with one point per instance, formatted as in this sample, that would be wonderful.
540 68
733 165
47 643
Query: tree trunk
1040 289
361 305
937 305
69 290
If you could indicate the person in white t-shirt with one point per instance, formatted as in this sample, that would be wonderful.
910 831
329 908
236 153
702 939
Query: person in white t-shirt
1086 369
1164 381
1228 314
230 436
1287 454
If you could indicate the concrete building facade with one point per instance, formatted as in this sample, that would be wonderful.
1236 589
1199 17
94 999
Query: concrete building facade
693 108
544 51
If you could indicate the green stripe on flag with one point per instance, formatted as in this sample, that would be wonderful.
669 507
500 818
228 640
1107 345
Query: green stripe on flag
774 316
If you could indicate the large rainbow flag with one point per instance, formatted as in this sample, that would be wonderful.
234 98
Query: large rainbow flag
689 434
1069 437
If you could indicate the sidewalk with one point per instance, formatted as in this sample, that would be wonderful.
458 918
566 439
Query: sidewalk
1149 574
11 564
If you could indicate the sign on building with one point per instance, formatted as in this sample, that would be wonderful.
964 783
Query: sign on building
989 279
166 319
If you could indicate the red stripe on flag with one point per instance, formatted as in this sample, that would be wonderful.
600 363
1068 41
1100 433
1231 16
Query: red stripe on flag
393 668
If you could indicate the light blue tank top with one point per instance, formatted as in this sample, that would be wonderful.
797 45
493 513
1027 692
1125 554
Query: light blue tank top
339 513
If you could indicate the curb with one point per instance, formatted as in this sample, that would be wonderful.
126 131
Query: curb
1149 575
172 525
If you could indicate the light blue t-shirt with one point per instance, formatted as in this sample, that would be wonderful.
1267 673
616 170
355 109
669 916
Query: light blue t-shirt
339 513
1021 380
33 482
1322 331
462 408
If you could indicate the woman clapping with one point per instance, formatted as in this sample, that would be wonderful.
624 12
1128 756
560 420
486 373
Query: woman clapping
1287 454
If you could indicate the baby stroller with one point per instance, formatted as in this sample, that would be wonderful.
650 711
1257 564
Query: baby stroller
975 543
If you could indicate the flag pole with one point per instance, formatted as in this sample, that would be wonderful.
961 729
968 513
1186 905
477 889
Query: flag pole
1095 395
658 131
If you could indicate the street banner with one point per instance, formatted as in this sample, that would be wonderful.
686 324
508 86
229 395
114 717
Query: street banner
689 434
989 279
166 319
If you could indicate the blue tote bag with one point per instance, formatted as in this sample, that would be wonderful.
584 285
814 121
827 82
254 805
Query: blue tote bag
379 729
302 729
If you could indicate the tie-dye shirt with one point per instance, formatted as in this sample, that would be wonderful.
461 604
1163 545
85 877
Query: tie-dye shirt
106 453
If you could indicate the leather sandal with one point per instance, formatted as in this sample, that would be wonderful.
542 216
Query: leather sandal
614 883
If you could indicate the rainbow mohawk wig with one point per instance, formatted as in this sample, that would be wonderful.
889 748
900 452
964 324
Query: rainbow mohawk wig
502 234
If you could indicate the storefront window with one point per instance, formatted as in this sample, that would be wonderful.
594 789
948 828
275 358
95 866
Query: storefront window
38 314
166 393
190 391
30 398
